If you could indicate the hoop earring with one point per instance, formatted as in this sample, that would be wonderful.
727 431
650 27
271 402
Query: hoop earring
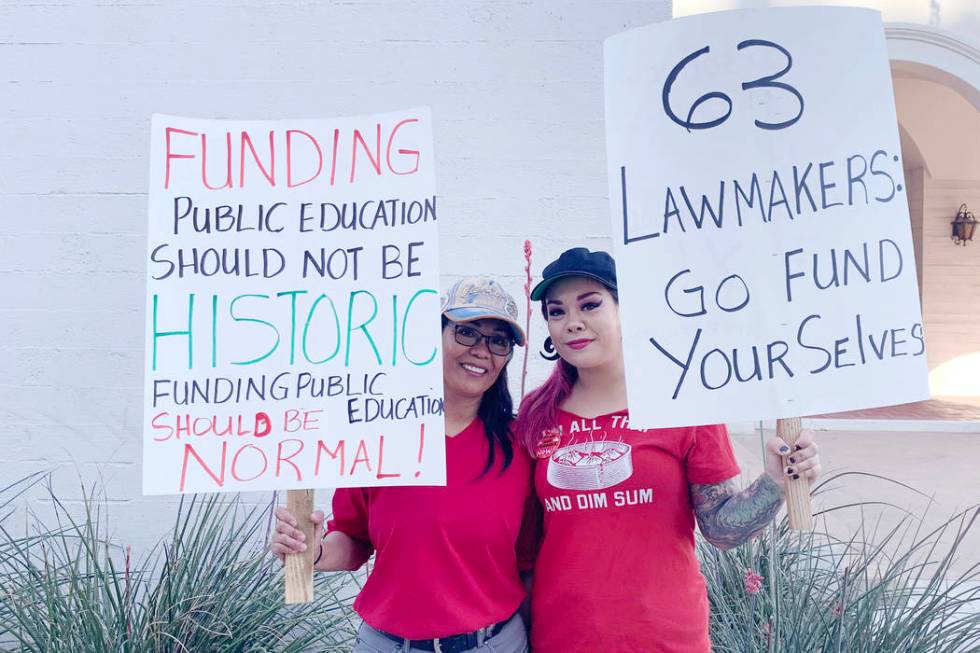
549 353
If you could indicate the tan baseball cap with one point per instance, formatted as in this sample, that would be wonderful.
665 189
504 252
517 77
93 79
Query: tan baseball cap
478 298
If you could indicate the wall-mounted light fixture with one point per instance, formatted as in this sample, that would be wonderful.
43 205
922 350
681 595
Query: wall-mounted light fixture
964 224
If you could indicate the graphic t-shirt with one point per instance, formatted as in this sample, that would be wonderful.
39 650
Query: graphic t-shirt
616 570
446 556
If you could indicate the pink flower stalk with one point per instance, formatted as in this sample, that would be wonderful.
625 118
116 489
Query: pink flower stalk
527 268
527 312
752 582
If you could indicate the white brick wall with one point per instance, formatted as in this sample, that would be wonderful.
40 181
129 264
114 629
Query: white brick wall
516 94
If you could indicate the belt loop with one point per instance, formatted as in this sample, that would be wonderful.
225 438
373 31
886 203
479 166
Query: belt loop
406 646
482 636
436 646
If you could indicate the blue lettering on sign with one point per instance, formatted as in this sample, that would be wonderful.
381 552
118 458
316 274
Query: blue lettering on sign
766 82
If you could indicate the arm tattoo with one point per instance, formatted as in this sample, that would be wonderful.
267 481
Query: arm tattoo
728 517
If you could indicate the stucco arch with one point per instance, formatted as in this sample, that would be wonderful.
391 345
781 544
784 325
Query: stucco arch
912 157
939 176
929 53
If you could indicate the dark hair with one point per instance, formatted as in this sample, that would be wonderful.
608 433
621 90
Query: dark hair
496 411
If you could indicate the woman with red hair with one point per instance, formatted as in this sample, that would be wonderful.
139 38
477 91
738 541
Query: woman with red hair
616 568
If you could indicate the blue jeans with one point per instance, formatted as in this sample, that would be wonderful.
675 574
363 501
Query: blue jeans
511 639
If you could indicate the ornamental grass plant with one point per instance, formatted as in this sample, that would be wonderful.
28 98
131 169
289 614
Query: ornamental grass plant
882 589
210 586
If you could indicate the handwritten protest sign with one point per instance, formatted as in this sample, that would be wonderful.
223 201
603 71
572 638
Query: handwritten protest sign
292 329
761 224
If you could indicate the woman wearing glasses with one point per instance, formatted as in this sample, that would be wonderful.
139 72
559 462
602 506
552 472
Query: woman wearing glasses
446 574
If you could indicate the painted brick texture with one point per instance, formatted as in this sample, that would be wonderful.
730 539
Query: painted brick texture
516 94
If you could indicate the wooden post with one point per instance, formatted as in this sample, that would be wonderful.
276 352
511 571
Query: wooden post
798 491
299 566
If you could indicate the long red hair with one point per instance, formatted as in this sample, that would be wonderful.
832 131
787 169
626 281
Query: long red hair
539 409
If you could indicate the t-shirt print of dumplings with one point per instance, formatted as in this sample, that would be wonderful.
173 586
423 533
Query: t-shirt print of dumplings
595 464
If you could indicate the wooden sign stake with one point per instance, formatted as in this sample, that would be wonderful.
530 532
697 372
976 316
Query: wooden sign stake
797 491
299 566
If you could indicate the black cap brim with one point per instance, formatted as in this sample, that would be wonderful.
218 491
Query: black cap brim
537 294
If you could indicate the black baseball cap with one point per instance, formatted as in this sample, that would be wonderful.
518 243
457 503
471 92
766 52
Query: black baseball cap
578 262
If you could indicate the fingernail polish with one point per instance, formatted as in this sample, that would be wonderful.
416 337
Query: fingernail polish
789 470
796 477
792 460
797 447
784 449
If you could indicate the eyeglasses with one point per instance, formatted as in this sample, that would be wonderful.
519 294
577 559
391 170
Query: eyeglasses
497 344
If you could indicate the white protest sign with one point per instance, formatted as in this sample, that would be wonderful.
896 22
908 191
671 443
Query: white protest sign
761 227
292 314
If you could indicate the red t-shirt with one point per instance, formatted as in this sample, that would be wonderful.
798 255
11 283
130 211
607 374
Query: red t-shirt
616 571
446 556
